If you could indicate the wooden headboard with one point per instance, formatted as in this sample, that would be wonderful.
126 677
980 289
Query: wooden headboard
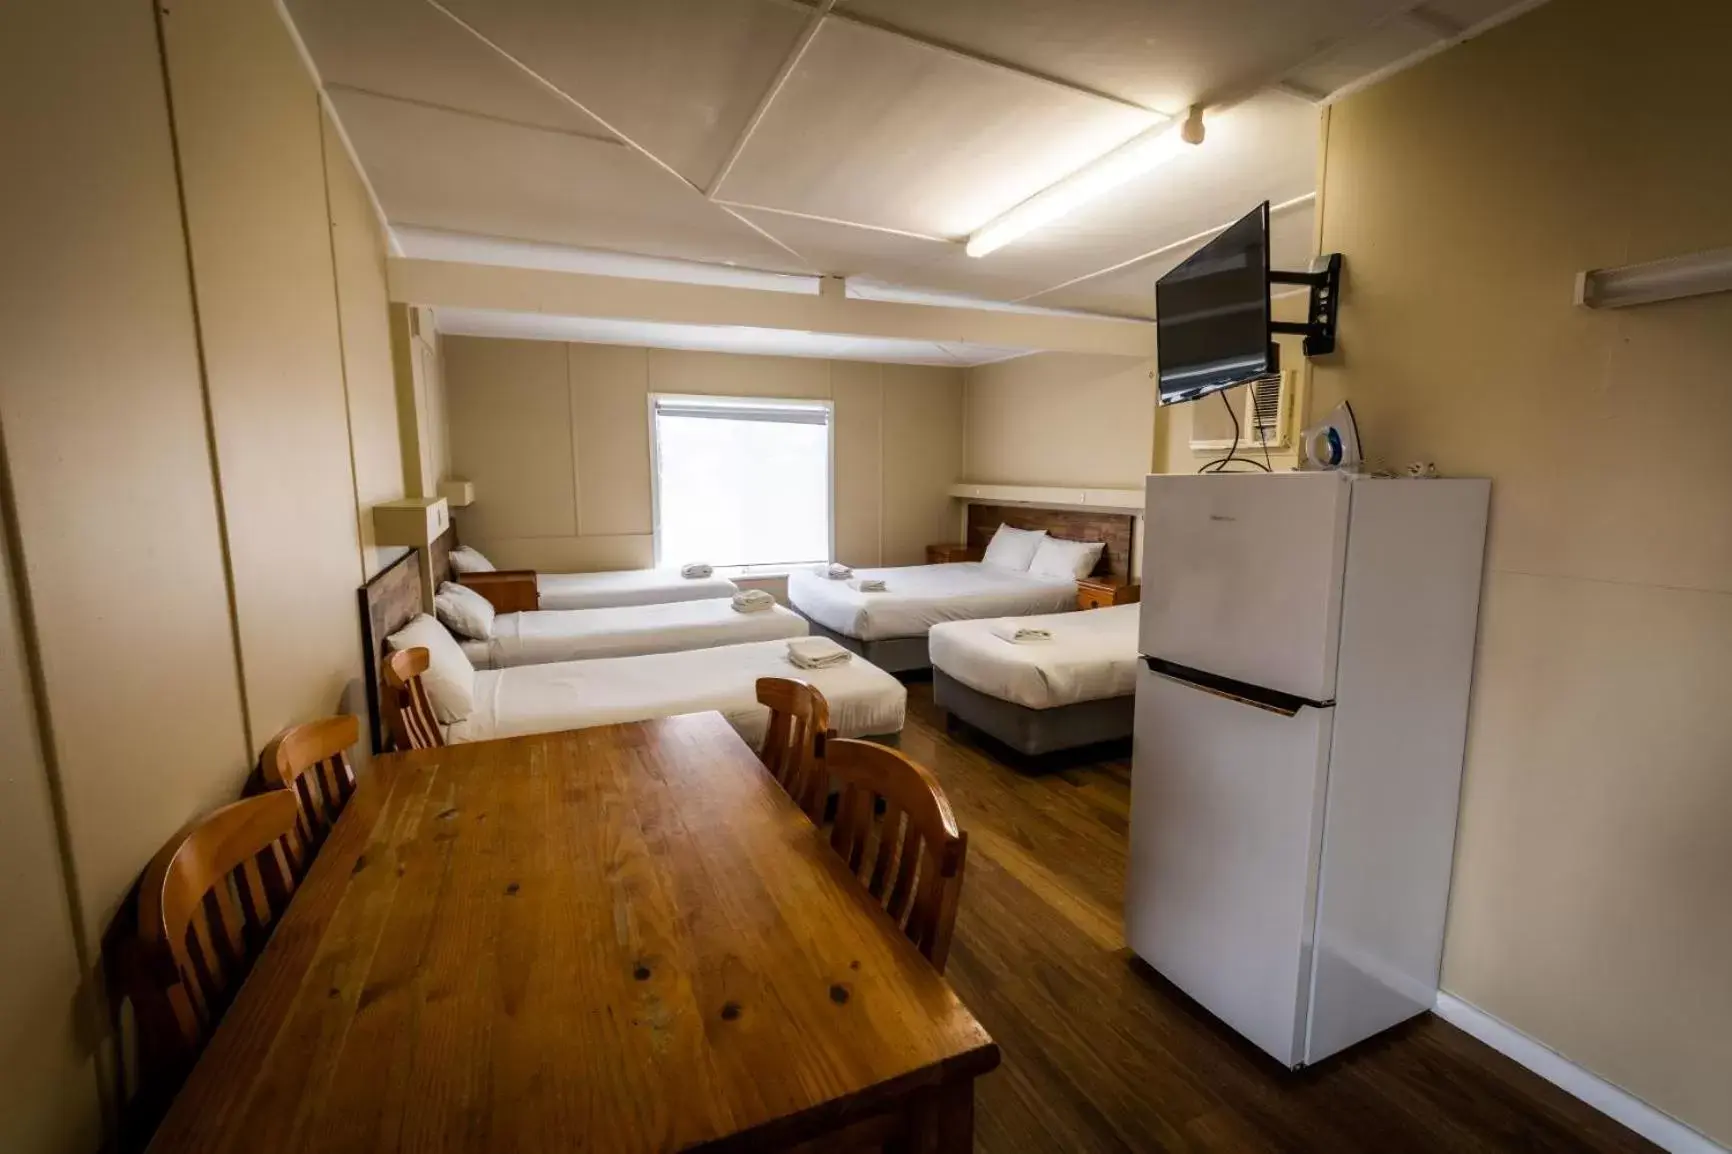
388 602
1116 529
440 553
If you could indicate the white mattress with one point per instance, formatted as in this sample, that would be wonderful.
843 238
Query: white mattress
918 597
626 587
549 635
864 700
1091 656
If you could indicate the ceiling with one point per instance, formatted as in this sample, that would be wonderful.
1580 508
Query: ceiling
864 138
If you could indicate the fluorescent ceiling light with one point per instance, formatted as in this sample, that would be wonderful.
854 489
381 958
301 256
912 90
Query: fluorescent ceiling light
1135 157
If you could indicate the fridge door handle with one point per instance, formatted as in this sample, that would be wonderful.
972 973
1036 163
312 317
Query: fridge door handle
1273 700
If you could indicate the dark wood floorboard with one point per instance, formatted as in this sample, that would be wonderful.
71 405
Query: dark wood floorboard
1102 1054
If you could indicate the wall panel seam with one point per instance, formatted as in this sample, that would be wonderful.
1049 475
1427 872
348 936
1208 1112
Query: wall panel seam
342 344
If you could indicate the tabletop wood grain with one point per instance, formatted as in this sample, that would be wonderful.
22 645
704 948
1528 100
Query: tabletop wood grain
615 939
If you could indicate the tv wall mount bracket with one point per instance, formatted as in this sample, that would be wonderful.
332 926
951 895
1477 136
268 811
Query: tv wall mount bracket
1324 281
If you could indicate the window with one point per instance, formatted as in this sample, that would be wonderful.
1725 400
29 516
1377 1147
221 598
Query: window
741 481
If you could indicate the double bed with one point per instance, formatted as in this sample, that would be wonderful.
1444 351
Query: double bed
889 628
1041 696
626 587
541 636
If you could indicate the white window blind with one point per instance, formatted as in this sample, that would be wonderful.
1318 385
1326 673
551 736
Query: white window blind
741 481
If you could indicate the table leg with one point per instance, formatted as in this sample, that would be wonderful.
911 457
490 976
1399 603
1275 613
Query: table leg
942 1120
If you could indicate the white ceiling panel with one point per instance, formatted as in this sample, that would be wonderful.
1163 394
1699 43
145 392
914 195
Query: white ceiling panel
1130 291
1375 48
1262 149
441 170
408 49
881 130
842 250
1166 55
715 338
679 77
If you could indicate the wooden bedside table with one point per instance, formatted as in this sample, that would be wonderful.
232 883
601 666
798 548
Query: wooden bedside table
948 554
1100 592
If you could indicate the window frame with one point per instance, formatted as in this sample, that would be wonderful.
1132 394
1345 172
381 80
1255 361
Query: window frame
767 569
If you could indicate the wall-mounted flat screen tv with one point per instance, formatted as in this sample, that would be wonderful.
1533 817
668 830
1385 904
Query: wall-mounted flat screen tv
1212 314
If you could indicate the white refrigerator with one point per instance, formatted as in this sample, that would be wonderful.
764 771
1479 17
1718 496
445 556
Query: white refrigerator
1307 644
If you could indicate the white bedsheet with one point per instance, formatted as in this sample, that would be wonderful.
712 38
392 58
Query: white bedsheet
1091 656
549 635
626 587
917 597
864 700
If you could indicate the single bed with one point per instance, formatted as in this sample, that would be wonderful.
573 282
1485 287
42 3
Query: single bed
889 628
1039 697
541 636
864 700
626 587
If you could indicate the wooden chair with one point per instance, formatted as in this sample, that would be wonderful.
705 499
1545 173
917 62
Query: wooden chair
312 762
206 904
407 710
794 742
895 830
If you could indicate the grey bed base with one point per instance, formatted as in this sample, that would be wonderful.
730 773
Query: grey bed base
891 654
1036 731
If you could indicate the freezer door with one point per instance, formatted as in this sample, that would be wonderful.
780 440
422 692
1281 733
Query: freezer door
1226 825
1242 576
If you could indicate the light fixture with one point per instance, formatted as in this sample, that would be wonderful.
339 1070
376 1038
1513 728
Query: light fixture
1133 158
1657 280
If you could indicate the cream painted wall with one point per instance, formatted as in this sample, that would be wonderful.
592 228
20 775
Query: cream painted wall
110 486
48 1094
358 251
1589 906
252 157
1061 419
556 439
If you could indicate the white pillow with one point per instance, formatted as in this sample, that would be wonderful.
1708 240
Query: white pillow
450 677
464 611
1013 548
466 560
1057 557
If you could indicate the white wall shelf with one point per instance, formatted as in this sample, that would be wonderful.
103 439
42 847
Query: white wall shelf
1111 500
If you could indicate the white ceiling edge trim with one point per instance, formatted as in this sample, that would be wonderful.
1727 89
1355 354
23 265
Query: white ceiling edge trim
738 340
1442 45
869 289
330 109
423 243
450 284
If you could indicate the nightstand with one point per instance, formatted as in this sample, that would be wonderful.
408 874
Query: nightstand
1100 592
947 554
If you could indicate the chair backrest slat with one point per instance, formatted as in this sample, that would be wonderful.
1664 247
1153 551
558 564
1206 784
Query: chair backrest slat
311 761
794 740
412 722
893 821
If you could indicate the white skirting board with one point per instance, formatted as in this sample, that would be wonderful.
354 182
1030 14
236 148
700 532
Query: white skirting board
1657 1127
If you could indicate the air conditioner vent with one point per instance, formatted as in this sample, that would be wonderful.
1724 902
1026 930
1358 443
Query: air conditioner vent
1262 408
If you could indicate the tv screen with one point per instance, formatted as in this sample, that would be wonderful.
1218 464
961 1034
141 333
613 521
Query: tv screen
1212 314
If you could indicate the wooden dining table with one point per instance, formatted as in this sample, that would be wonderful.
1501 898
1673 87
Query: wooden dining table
616 939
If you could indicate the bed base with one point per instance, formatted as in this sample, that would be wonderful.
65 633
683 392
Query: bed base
1033 732
891 654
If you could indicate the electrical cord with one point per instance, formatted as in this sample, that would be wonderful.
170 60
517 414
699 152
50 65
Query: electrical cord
1220 464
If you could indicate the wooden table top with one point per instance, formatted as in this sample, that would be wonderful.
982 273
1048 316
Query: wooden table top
614 939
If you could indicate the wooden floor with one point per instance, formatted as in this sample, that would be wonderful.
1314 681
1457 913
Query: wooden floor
1101 1054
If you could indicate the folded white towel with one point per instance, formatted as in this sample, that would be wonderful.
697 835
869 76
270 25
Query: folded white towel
816 653
1020 634
836 571
697 569
867 584
753 601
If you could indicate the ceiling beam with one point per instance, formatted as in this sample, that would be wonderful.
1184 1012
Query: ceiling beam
450 284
